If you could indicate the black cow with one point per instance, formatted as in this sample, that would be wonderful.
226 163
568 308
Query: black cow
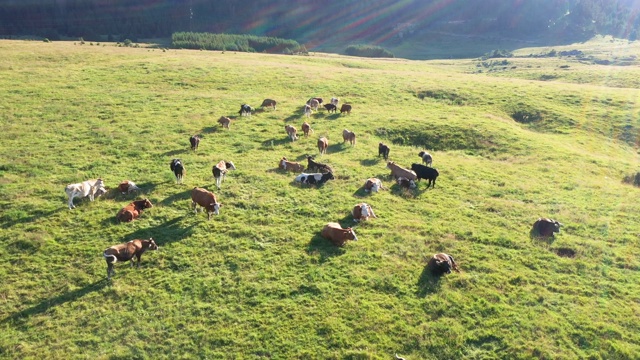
330 108
425 172
178 169
195 141
442 264
313 165
545 228
383 150
314 179
245 110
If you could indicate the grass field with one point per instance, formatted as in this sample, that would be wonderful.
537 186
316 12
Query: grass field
258 280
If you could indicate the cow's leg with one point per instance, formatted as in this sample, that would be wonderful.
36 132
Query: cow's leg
372 213
131 262
110 270
139 256
71 206
195 210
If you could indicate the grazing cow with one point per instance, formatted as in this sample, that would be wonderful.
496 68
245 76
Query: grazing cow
313 103
314 179
383 150
220 170
91 188
195 141
334 101
133 210
269 103
345 108
362 211
545 228
245 110
224 122
127 187
307 111
306 128
287 165
337 235
206 199
319 100
398 171
313 165
349 136
292 132
406 183
425 172
426 158
323 144
442 263
373 184
330 108
178 169
126 252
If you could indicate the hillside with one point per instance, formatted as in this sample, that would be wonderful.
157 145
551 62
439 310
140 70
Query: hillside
258 280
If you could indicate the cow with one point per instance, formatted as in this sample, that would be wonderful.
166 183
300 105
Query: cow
220 170
313 165
224 122
313 103
292 132
306 128
406 183
178 169
323 144
317 179
334 101
398 171
330 108
362 211
269 103
307 111
126 252
349 136
545 228
195 141
287 165
337 235
133 210
319 100
442 263
383 150
373 185
127 187
91 188
206 199
245 110
425 172
345 108
427 159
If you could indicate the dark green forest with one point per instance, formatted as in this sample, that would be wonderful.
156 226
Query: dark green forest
309 20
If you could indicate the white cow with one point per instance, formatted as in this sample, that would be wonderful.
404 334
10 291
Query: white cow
91 188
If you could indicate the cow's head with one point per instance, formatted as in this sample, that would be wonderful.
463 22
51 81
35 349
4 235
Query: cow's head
229 165
100 191
444 266
149 244
556 226
390 164
351 235
146 204
216 208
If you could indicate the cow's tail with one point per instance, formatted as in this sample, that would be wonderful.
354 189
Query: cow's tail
106 256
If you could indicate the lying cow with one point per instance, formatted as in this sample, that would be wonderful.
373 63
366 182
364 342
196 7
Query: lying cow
398 171
194 141
220 170
545 228
269 103
373 185
287 165
224 122
337 235
425 172
383 150
362 211
306 128
91 188
405 183
314 179
313 165
427 159
245 110
127 187
323 144
126 252
133 210
206 199
346 108
292 132
442 264
330 108
349 136
178 169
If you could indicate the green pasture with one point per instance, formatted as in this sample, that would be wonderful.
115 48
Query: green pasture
258 280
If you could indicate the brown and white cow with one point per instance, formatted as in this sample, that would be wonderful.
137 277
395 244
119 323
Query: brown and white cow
91 188
323 144
337 235
306 128
292 132
224 122
362 211
442 263
345 108
349 136
206 199
127 187
127 252
220 169
398 171
287 165
269 103
133 210
373 185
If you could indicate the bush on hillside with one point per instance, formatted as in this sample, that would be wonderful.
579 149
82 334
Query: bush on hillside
368 51
227 42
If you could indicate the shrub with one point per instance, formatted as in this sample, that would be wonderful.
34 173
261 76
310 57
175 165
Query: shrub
127 42
247 43
368 51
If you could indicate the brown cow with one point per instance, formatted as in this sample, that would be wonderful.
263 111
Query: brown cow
195 141
373 184
349 136
224 121
323 144
287 165
206 199
306 128
292 132
133 210
442 263
127 251
345 108
269 103
337 235
545 228
128 187
398 171
362 211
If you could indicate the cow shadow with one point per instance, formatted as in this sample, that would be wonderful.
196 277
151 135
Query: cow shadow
165 233
299 115
177 152
20 317
323 247
332 116
271 143
210 129
370 162
428 283
332 149
183 195
361 193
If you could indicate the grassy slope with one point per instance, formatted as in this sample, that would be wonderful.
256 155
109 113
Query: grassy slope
258 280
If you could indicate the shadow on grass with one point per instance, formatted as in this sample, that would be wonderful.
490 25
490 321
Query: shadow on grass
323 247
370 162
332 149
332 116
176 152
45 305
7 221
183 195
427 283
298 115
268 144
163 234
361 193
